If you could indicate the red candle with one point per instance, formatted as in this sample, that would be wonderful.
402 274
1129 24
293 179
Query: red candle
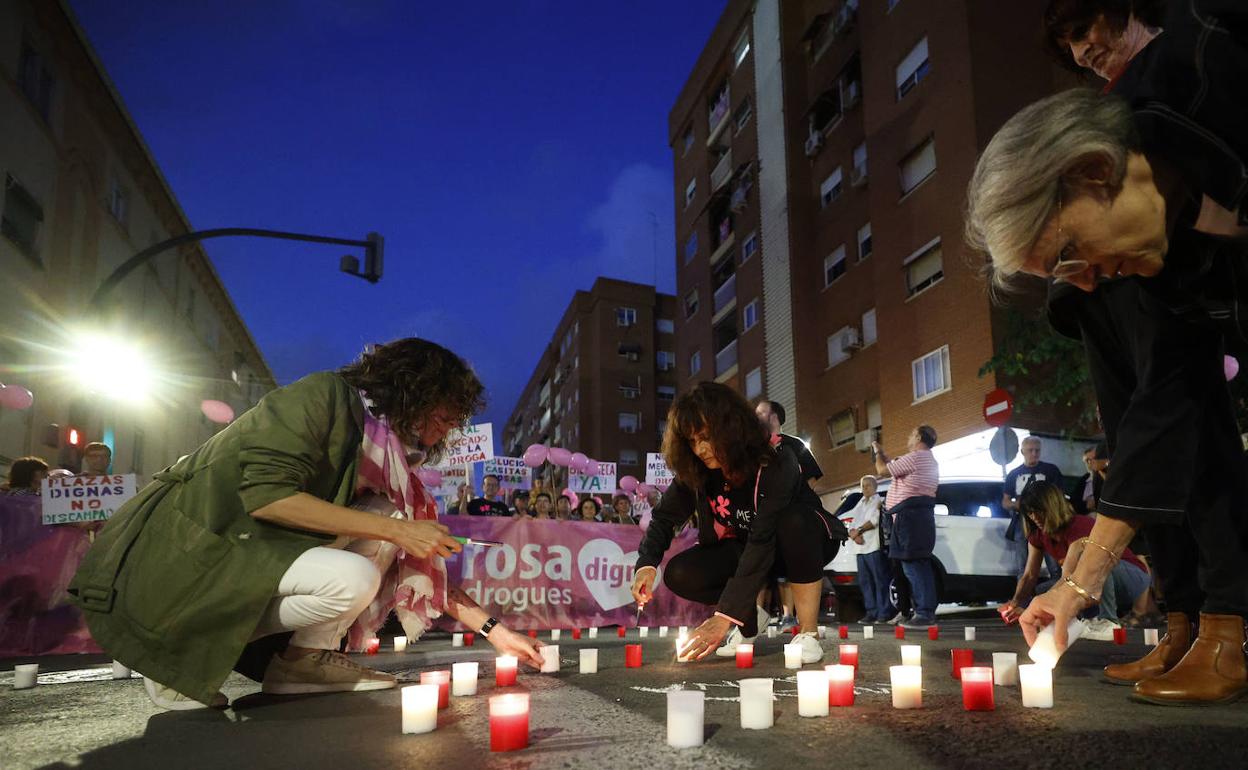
962 658
849 655
509 721
620 632
745 656
532 633
372 646
840 683
576 633
443 680
843 631
1120 636
899 632
977 688
933 632
469 639
632 656
505 670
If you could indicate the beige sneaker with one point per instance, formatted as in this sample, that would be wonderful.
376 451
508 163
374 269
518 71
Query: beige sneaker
322 671
168 698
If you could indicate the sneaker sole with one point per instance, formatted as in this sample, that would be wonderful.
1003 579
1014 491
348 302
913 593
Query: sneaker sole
306 688
177 705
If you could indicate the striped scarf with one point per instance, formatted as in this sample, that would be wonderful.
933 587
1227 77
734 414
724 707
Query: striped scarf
414 588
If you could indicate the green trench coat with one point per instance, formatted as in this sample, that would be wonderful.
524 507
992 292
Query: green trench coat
178 579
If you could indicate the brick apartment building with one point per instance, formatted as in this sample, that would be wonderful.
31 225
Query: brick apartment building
605 381
853 129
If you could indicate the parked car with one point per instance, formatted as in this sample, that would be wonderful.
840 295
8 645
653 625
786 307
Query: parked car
973 560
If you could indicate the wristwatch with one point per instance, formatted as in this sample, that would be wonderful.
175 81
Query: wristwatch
488 627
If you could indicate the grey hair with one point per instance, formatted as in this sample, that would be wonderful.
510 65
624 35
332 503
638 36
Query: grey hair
1029 161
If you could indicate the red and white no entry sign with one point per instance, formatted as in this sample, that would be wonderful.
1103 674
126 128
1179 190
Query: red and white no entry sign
998 407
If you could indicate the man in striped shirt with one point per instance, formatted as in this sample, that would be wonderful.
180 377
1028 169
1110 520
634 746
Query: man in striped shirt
911 502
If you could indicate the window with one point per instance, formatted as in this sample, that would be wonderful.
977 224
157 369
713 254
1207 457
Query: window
913 68
695 363
859 174
22 218
665 392
754 383
864 241
691 303
35 80
923 268
931 374
665 326
741 50
691 247
868 328
918 165
875 416
117 202
666 360
749 316
742 116
630 391
625 316
830 190
841 428
833 266
837 349
630 422
691 190
630 351
629 457
688 139
749 247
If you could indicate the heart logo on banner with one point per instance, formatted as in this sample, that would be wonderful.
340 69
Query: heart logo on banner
595 561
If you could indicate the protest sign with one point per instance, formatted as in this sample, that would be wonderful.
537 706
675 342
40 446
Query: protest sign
472 444
511 471
657 473
73 499
602 483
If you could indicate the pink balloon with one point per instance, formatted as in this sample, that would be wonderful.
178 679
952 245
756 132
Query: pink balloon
535 455
217 411
591 468
1230 367
16 397
577 462
628 483
429 477
560 456
572 498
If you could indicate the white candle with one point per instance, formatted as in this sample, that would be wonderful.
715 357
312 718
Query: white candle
685 718
792 656
911 655
823 632
756 708
812 693
868 632
120 671
682 631
1044 650
662 631
400 644
589 660
554 634
1005 668
1150 636
550 658
457 640
968 633
1037 685
420 708
907 684
25 675
593 633
464 678
682 641
771 632
643 632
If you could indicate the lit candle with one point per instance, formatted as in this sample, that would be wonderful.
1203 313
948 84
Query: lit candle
420 708
771 632
643 631
400 644
589 660
372 646
962 658
756 708
1037 685
685 718
457 640
1150 636
968 633
843 632
868 632
25 675
1044 649
1005 668
469 638
554 634
533 633
792 656
812 693
464 678
899 632
550 658
576 633
848 655
933 632
505 670
840 684
822 631
443 680
120 671
682 631
509 721
682 642
977 688
907 684
1120 636
911 655
620 632
662 631
745 656
593 633
632 656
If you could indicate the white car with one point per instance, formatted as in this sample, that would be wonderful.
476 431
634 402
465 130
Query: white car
973 560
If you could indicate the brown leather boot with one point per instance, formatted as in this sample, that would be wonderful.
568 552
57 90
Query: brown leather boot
1165 656
1213 671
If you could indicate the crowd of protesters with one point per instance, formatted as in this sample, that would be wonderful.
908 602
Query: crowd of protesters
544 502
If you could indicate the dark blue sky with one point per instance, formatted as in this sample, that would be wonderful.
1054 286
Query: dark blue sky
509 158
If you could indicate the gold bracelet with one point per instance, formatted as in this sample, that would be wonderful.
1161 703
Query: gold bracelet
1085 593
1112 555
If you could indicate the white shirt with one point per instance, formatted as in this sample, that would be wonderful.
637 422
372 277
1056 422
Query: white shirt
866 511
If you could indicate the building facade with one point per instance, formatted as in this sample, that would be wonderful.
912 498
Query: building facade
605 380
82 194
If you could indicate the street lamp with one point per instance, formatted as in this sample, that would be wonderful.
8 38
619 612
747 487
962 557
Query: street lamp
111 367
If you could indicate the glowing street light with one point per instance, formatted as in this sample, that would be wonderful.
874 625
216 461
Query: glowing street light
112 367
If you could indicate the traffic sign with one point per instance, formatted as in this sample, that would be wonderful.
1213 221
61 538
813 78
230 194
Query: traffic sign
998 407
1004 446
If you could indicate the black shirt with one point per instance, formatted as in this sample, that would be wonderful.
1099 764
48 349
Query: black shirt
1018 479
484 507
810 466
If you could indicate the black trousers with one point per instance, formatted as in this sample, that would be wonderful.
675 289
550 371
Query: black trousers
802 548
902 585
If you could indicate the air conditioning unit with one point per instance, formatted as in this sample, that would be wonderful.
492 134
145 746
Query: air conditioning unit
814 143
863 439
851 339
857 176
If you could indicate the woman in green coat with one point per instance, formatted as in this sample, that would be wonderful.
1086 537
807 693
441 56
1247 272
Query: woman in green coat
260 532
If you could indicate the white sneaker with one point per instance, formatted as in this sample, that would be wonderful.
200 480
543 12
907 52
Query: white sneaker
1100 629
168 698
812 652
729 648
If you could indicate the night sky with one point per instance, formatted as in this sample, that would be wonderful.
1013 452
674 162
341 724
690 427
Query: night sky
508 159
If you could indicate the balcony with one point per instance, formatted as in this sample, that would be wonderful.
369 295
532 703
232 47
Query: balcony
726 293
726 359
722 171
718 116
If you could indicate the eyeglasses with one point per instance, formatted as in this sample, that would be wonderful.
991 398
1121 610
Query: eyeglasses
1065 268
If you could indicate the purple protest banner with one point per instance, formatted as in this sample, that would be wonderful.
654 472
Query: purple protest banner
562 574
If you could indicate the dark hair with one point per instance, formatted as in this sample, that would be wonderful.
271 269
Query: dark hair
741 441
927 434
1102 451
777 409
519 494
1066 20
97 445
409 378
492 476
23 470
564 496
588 499
618 498
1048 504
540 495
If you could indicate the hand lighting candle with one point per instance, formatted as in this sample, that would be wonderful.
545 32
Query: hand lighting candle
550 659
812 693
745 656
505 670
400 644
464 678
420 708
685 718
756 700
1005 668
907 684
589 660
793 656
977 688
840 684
632 656
1037 685
443 680
911 655
509 721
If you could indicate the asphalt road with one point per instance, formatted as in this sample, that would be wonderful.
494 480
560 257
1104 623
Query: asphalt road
79 717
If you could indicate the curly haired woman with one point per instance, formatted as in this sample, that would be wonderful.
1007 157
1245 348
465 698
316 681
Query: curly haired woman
304 515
